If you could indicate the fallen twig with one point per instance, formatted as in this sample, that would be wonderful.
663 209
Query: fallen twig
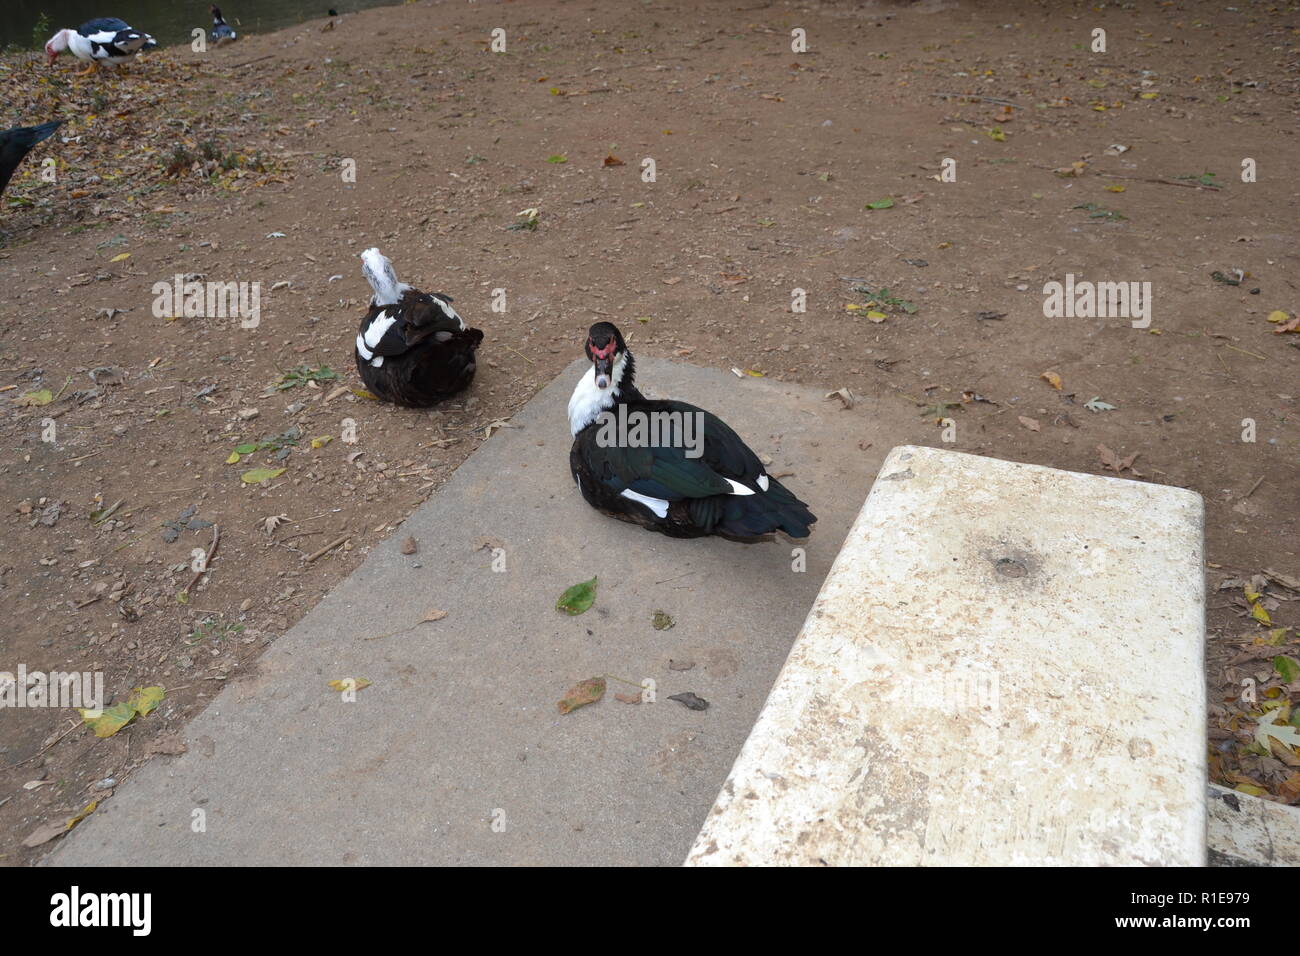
333 544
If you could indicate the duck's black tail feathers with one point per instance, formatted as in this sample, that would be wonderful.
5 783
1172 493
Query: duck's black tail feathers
17 143
751 516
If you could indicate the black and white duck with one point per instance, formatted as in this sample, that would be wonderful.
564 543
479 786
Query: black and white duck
666 465
16 143
412 348
106 40
222 32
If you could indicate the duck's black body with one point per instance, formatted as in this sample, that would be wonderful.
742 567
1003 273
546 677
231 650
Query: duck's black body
412 348
427 356
222 32
724 491
16 143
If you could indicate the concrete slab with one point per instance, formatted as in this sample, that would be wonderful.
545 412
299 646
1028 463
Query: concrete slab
1003 667
1250 831
460 727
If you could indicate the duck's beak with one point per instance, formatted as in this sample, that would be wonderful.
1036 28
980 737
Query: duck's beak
603 366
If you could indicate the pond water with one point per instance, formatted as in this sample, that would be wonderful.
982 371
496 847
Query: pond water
167 22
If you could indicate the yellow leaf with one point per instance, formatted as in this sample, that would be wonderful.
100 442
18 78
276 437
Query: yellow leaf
43 397
321 441
1149 96
90 808
120 257
1251 789
362 393
1052 379
255 476
233 459
1115 188
144 699
1277 315
877 317
1258 613
110 720
350 683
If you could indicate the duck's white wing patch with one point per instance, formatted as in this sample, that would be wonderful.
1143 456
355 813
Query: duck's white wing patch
762 482
376 329
737 488
658 505
451 313
368 340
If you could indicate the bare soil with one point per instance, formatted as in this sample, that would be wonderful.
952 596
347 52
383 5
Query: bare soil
231 165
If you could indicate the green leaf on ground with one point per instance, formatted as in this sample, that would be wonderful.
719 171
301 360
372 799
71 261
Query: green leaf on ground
255 476
578 598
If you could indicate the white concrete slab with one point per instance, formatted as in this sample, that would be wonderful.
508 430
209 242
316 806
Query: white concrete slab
1250 831
1004 666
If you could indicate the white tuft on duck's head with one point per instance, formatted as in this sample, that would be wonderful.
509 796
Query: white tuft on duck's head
379 273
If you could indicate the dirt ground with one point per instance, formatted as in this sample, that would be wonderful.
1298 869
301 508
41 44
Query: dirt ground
231 165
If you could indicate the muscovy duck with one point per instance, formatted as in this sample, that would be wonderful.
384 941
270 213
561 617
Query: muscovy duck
412 348
685 473
222 32
17 142
106 40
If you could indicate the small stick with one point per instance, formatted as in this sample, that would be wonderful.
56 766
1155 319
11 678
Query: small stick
74 726
1259 481
1244 352
972 96
522 355
333 544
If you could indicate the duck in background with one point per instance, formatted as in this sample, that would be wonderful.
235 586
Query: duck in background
16 143
412 348
222 32
701 479
106 40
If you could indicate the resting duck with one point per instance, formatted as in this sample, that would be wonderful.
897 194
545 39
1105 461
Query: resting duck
694 477
412 349
17 142
106 40
222 32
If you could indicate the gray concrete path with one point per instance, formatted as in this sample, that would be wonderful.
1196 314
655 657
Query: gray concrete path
461 721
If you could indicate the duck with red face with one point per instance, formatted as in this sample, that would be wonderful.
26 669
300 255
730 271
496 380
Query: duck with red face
692 477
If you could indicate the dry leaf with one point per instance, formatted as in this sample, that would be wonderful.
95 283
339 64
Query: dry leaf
1112 461
433 614
582 693
1052 379
1029 423
409 546
844 395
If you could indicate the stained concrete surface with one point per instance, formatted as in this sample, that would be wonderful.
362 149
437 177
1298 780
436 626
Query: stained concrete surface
975 683
460 728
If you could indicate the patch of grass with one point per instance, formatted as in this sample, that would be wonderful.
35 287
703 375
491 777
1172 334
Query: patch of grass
1100 212
304 374
213 629
885 299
